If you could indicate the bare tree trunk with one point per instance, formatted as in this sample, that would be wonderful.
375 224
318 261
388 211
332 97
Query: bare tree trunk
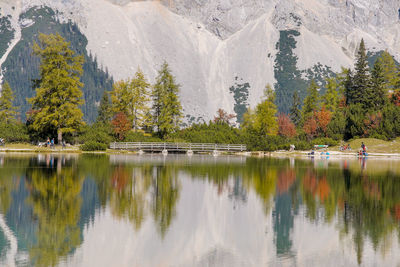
59 132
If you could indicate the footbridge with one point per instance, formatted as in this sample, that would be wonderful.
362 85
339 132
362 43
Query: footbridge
177 147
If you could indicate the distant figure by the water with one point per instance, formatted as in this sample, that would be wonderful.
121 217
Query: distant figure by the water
363 150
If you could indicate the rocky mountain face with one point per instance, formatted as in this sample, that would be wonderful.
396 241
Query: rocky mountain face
222 52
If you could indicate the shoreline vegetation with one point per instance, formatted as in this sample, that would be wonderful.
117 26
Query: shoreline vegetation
376 149
359 104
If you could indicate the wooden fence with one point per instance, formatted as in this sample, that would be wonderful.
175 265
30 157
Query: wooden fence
178 147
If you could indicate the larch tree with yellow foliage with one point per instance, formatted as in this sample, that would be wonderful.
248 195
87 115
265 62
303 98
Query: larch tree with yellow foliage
265 121
55 107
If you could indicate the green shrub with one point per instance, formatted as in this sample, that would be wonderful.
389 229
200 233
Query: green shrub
98 133
218 133
379 136
14 132
256 142
94 146
337 137
389 127
303 145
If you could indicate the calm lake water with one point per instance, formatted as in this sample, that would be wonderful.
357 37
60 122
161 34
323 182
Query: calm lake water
127 210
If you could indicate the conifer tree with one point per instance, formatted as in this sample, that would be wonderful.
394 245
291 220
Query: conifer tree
361 80
7 110
377 96
104 113
391 72
295 113
120 97
138 99
58 93
348 88
166 105
331 97
311 101
147 123
248 119
265 114
341 79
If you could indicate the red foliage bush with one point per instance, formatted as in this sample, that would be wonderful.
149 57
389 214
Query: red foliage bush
286 127
323 118
121 125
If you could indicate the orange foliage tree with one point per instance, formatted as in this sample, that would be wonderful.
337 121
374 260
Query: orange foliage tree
223 117
121 125
323 117
396 98
286 127
310 127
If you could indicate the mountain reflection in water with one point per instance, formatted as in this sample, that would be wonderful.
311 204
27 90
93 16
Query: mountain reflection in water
126 210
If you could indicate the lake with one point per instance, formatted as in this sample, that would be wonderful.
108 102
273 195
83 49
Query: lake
178 210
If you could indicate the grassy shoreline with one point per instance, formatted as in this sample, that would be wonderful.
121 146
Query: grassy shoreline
376 148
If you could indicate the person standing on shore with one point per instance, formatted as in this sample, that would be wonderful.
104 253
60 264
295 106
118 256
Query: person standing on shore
363 149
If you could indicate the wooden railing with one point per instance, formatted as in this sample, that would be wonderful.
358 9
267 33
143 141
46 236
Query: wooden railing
195 147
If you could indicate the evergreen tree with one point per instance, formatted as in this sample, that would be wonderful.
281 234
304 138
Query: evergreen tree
265 117
377 96
58 95
331 97
311 101
355 121
341 79
337 126
361 80
348 88
295 112
104 113
166 105
7 110
138 99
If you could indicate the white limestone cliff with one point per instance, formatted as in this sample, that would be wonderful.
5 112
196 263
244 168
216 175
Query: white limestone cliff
210 42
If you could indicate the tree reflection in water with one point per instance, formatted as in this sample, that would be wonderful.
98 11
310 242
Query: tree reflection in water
128 194
367 204
360 199
55 198
137 191
165 193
